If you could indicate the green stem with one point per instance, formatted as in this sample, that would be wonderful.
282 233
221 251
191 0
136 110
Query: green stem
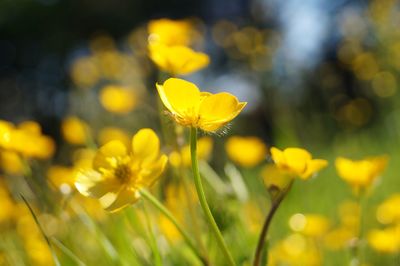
145 194
202 198
153 240
274 206
358 249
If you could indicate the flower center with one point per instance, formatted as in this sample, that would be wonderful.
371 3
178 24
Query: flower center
123 172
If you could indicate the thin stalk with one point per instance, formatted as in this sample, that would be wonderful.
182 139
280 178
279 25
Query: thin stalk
203 201
264 231
153 240
358 249
145 194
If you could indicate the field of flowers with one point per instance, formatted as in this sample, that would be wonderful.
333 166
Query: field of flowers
164 159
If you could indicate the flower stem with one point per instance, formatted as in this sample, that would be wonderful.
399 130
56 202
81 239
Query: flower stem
145 194
202 198
264 231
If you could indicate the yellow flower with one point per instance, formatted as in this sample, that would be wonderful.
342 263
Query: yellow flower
75 130
204 149
386 240
61 177
177 60
170 32
117 99
246 151
312 225
5 132
113 133
85 72
297 161
27 140
7 204
190 107
118 175
11 162
389 212
360 174
275 179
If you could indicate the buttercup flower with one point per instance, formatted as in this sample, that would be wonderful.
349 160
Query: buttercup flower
119 174
312 225
297 161
170 32
117 99
75 130
386 240
360 174
388 211
177 60
246 151
190 107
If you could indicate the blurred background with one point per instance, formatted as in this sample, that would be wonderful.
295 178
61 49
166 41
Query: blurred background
318 74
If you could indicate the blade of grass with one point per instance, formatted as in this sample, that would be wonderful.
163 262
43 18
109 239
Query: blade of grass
53 253
67 251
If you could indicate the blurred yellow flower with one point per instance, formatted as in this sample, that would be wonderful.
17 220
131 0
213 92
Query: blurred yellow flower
108 134
360 174
204 149
62 177
190 107
246 151
177 60
7 204
339 238
170 32
118 175
117 99
85 72
312 225
295 250
297 161
11 162
5 133
75 130
386 240
28 140
388 212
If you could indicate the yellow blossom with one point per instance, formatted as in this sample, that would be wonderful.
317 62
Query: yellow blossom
170 32
360 174
11 162
386 240
7 204
389 212
177 60
61 177
28 140
190 107
113 133
312 225
275 179
297 161
75 130
204 149
246 151
339 238
117 99
85 72
119 174
5 132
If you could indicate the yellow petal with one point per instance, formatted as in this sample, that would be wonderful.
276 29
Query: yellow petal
151 174
107 155
92 184
180 97
313 167
297 159
145 145
278 157
113 202
218 109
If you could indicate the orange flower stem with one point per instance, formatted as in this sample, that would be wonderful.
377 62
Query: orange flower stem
264 231
203 201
